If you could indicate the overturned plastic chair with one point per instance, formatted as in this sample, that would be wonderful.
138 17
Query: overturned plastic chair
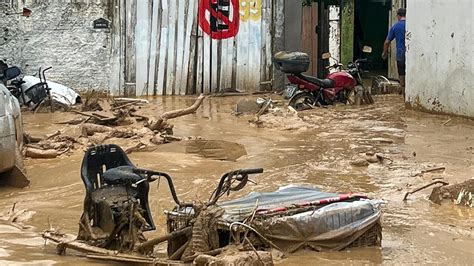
105 170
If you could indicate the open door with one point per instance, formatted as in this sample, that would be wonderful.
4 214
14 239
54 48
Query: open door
309 36
392 60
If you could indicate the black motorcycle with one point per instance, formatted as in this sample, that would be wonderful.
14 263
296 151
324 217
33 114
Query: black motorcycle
116 210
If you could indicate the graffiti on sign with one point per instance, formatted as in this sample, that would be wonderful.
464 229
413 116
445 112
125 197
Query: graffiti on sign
250 10
219 18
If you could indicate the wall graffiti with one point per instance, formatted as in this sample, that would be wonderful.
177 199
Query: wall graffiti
250 10
219 18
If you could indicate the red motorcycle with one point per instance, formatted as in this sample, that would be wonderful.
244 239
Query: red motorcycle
307 92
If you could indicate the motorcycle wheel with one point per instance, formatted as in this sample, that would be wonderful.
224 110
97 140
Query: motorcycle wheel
303 101
45 107
349 96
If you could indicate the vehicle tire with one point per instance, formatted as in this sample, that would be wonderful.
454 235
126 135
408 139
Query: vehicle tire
45 107
347 96
302 101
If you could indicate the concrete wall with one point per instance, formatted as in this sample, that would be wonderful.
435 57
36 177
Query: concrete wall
59 33
440 56
10 46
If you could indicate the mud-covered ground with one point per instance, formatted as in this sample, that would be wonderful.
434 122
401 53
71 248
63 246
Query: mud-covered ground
314 148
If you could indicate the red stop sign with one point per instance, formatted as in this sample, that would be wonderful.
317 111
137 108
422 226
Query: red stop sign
218 23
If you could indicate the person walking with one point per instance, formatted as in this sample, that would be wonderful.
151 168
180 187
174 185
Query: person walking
397 32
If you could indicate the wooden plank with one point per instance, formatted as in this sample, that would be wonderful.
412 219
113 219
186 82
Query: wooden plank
188 46
214 64
171 52
278 12
347 31
193 58
243 55
115 83
142 41
254 48
314 39
306 29
234 63
130 78
223 61
163 49
264 26
181 27
227 46
200 63
219 65
268 40
155 40
207 61
123 26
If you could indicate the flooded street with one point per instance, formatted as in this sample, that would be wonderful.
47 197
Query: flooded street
313 149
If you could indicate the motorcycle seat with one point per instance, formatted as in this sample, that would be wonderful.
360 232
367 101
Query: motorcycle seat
121 175
325 83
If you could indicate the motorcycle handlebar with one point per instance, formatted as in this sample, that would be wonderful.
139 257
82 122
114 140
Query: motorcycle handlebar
251 171
150 173
227 177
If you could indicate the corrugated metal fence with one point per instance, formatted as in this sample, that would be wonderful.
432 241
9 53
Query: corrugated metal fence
187 47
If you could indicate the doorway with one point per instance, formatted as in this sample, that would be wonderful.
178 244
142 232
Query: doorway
371 24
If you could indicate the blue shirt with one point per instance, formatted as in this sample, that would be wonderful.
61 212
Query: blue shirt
397 32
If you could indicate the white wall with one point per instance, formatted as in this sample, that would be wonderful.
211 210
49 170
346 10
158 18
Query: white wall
440 56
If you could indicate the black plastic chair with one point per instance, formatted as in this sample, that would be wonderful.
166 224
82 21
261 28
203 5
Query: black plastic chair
97 160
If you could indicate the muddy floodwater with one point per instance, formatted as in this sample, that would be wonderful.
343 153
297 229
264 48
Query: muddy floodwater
313 149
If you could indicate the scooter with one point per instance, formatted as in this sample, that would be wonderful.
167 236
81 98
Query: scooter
34 96
307 92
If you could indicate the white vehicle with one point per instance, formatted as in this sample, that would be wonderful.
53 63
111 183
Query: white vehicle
11 135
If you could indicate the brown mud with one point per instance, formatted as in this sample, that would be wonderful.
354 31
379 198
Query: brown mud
313 147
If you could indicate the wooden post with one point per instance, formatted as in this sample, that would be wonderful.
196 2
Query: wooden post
278 9
130 67
116 65
347 31
309 37
306 33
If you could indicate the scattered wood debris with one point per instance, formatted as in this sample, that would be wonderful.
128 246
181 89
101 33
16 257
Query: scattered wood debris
423 187
16 218
105 119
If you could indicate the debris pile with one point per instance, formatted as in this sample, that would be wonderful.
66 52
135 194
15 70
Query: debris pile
16 218
109 120
461 194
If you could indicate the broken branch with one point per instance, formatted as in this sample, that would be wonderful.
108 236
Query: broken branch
180 112
155 241
161 123
423 187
